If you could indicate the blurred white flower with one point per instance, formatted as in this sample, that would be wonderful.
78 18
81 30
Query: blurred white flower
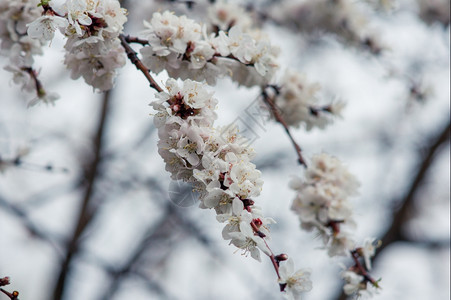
368 250
354 282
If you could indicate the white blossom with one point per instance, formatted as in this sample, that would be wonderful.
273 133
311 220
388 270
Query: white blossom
295 282
45 26
47 98
369 250
247 240
354 282
97 62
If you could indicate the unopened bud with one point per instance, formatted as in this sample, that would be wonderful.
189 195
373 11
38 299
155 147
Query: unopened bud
281 257
248 202
258 222
4 281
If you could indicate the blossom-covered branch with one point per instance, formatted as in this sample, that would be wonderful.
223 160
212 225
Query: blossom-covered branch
323 206
217 161
275 112
93 50
20 48
131 54
185 49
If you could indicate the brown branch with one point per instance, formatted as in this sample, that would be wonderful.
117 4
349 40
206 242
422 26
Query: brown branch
132 39
272 106
131 54
361 269
394 233
85 214
38 85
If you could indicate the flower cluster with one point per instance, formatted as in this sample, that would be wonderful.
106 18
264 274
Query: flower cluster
322 201
434 11
217 161
322 205
19 47
297 101
224 15
93 50
183 48
383 5
356 278
343 18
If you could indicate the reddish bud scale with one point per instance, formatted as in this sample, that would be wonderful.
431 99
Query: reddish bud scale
282 286
248 202
175 107
179 107
96 25
258 222
189 48
335 226
4 281
281 257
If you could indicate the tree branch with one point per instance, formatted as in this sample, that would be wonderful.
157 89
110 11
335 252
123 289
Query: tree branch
272 106
131 54
85 214
394 233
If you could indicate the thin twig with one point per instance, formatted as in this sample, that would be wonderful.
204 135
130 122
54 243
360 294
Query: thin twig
38 85
33 228
272 106
395 231
132 39
131 54
13 296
